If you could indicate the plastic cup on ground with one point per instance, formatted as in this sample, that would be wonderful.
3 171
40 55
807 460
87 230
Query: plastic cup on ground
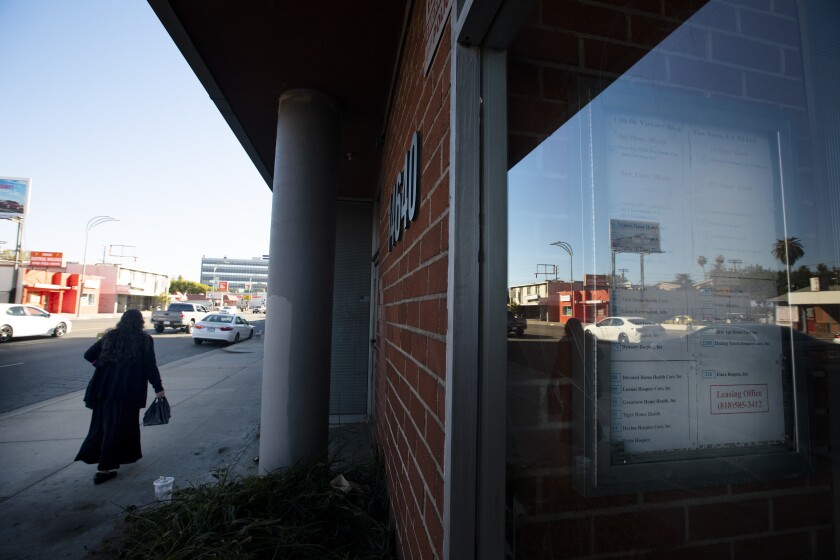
163 489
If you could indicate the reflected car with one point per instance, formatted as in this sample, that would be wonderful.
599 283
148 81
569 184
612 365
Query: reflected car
516 325
222 327
18 320
625 329
680 320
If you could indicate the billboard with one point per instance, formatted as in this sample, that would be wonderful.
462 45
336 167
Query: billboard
14 196
223 286
631 236
46 259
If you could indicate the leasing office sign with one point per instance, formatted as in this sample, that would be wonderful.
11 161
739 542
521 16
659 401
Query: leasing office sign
405 198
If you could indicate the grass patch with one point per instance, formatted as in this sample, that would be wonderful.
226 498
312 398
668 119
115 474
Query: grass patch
291 514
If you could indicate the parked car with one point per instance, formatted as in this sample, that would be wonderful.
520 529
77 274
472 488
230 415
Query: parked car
224 327
180 316
625 329
28 320
258 309
516 325
232 309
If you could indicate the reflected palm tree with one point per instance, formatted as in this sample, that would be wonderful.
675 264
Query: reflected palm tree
684 280
788 251
701 260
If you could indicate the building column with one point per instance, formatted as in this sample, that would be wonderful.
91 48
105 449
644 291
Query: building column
296 369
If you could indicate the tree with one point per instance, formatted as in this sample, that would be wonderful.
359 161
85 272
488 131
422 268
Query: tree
788 251
684 280
187 287
701 260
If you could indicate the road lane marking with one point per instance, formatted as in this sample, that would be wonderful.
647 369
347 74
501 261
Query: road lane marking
10 365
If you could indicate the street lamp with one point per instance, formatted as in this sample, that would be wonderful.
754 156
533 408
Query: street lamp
92 223
568 248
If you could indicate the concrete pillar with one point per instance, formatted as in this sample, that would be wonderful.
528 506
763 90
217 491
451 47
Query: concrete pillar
296 370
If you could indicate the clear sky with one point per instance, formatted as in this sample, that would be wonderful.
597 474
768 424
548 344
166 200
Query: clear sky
100 109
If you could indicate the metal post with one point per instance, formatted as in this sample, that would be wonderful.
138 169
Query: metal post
568 248
92 223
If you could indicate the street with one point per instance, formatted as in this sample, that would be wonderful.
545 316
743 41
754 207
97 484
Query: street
36 369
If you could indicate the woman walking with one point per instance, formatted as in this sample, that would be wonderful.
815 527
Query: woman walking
125 361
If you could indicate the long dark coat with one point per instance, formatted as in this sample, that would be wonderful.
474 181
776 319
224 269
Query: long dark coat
116 393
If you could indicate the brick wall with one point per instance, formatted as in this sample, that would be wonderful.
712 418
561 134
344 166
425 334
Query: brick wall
412 312
784 519
752 48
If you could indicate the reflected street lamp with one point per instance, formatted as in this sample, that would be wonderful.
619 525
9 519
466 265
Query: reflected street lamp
568 248
92 223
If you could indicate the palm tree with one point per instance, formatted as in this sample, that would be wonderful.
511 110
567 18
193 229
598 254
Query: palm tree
683 279
701 260
788 251
719 260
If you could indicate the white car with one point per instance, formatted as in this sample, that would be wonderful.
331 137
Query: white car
224 327
626 329
228 309
18 320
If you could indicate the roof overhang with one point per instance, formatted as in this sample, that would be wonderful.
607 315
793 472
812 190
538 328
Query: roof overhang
246 55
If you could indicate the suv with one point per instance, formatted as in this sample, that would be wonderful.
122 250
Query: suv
516 325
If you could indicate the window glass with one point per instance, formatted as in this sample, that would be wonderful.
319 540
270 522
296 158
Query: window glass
691 207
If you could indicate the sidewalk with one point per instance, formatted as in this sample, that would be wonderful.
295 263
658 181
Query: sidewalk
48 504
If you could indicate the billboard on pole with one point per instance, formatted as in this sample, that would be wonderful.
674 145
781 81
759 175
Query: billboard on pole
631 236
14 196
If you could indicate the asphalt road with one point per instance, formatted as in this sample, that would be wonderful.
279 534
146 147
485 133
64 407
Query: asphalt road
35 369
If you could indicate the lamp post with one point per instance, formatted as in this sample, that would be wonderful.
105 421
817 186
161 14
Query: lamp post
568 248
92 223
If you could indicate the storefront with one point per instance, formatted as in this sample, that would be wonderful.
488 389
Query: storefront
665 142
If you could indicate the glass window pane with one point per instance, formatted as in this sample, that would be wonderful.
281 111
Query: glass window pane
685 213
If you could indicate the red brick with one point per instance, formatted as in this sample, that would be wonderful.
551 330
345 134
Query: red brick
586 19
650 31
436 357
727 519
683 494
702 552
534 115
568 538
778 547
639 530
427 389
549 45
613 58
437 276
802 510
439 199
540 448
435 437
523 78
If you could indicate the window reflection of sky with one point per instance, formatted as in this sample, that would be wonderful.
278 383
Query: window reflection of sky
707 169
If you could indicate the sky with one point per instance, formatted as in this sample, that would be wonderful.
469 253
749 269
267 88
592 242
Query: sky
101 111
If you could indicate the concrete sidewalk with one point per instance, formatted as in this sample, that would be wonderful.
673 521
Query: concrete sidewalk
50 507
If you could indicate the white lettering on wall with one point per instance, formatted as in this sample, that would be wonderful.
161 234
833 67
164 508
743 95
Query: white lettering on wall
405 197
